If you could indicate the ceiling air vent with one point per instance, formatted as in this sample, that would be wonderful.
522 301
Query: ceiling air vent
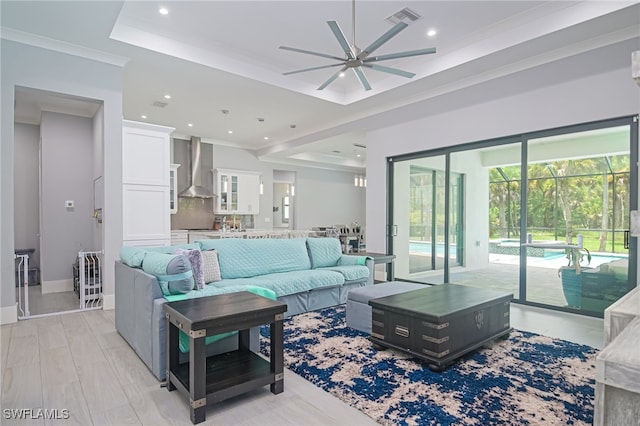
405 15
159 104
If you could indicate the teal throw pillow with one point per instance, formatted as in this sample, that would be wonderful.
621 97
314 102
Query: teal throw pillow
173 272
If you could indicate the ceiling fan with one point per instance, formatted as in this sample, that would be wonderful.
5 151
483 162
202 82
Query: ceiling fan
356 58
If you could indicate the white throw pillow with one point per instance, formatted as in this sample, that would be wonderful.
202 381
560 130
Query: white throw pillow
211 266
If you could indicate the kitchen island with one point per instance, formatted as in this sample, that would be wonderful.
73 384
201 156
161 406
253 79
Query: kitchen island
204 234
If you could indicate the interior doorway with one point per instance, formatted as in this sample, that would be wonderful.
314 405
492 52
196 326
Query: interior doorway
284 200
57 219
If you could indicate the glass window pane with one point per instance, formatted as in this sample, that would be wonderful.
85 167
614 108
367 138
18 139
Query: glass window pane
487 235
418 227
582 207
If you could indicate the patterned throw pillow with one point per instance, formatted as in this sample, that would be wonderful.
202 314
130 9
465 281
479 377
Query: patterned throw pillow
195 257
211 266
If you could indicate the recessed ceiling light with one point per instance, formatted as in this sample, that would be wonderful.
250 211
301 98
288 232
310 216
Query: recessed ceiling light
358 155
143 116
341 74
229 131
431 33
190 124
163 11
266 138
167 96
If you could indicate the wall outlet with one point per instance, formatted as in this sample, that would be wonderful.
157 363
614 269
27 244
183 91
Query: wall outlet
68 204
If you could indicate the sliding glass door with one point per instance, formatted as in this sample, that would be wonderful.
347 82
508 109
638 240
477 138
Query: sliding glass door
579 203
509 214
427 235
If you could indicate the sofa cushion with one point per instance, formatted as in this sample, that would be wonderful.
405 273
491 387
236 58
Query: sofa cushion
244 258
211 266
172 249
195 258
173 272
324 252
287 283
212 290
132 256
350 272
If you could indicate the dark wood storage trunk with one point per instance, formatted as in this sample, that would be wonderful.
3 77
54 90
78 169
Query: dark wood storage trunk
440 323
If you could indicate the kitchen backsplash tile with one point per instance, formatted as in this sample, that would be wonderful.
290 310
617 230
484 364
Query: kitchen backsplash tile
193 213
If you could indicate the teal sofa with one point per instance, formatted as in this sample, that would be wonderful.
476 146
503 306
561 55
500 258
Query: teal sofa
305 273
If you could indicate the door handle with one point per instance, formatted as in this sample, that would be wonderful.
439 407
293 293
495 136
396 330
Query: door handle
395 230
626 239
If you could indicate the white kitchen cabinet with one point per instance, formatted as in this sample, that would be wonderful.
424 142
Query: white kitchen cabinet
145 184
173 188
238 191
146 212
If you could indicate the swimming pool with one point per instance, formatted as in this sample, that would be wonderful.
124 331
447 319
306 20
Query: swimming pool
550 257
424 248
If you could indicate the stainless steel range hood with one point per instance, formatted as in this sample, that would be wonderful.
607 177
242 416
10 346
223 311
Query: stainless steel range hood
195 189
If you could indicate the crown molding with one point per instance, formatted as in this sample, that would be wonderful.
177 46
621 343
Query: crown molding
61 46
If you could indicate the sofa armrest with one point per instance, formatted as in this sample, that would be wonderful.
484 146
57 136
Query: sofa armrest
354 259
371 265
135 293
140 320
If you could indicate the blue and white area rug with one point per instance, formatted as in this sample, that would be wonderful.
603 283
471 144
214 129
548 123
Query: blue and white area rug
526 379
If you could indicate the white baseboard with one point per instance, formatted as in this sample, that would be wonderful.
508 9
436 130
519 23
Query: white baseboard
9 314
57 286
108 301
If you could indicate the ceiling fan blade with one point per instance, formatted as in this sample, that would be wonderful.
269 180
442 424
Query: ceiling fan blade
389 70
362 78
341 39
333 77
310 52
312 69
383 39
401 55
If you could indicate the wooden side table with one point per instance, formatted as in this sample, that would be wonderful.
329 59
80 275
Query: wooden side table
379 258
214 379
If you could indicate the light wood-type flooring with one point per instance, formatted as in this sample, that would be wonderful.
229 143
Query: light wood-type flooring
47 303
78 362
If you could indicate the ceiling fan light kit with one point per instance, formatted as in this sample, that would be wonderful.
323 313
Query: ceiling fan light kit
356 59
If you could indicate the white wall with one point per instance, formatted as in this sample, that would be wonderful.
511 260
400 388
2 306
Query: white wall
67 175
26 197
33 67
98 168
523 103
323 197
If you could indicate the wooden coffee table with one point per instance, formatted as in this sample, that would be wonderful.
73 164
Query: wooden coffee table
214 379
441 323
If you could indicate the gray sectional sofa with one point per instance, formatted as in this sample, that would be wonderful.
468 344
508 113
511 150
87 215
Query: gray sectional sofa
305 273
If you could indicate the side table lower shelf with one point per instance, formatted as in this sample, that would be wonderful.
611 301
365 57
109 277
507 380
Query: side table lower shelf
229 374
